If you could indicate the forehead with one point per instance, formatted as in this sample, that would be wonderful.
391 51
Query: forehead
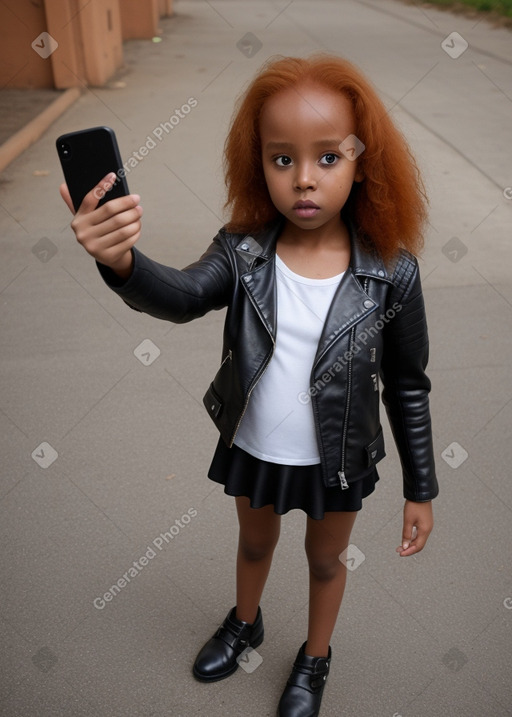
306 110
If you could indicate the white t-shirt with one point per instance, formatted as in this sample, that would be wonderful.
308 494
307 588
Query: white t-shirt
276 426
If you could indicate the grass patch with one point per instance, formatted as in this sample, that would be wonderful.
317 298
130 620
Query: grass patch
496 7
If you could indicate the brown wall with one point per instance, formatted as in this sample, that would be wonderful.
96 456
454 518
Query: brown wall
90 43
82 40
166 8
140 18
20 65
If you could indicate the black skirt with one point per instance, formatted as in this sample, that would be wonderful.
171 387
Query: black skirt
285 487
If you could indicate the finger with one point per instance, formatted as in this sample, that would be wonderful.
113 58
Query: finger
96 235
115 253
408 533
411 550
116 208
108 247
124 238
91 199
415 545
64 193
108 228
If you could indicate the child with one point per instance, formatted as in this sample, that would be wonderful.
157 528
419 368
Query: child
317 269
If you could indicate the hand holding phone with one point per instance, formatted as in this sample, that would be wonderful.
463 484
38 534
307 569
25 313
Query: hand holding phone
107 218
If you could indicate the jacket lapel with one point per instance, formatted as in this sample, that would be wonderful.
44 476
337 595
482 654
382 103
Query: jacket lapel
260 285
258 254
351 303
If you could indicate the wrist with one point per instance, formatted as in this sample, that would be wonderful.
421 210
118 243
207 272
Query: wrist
123 267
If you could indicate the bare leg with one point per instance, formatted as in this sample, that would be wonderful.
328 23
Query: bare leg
259 533
325 540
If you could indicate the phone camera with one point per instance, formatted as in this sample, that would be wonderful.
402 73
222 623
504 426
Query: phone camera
65 150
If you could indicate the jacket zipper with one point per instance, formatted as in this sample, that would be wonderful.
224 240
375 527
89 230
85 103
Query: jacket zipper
228 357
341 473
249 393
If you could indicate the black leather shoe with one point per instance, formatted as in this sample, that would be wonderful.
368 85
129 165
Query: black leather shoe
302 695
218 658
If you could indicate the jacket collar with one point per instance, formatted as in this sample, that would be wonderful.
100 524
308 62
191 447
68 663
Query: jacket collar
364 262
350 304
254 248
261 247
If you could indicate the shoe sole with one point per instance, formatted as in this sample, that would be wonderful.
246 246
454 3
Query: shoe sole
216 678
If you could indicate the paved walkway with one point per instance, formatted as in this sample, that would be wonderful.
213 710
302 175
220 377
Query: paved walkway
105 442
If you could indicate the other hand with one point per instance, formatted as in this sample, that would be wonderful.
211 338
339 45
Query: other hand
418 524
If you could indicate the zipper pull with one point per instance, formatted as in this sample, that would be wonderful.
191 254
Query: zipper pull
343 480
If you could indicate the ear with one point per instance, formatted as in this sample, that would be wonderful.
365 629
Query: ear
359 176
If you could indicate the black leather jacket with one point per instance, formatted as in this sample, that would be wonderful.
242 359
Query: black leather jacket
375 329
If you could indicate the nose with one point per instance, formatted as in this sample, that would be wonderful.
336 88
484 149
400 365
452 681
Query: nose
305 177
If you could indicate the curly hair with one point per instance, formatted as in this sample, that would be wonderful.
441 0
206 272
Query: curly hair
388 207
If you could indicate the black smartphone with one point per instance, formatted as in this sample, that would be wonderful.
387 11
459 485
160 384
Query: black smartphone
86 157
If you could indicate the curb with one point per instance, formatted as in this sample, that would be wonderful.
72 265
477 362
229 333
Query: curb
30 133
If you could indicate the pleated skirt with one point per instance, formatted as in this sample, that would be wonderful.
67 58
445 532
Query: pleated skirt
283 486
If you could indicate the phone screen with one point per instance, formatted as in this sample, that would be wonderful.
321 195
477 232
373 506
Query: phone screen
86 157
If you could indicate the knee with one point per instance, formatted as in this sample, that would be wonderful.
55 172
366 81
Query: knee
258 549
324 567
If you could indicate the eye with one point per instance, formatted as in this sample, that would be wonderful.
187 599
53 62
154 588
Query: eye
329 158
283 160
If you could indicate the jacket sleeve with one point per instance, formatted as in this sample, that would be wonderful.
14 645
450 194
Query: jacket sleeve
177 295
406 386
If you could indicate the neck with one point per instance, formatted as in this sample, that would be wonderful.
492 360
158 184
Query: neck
331 234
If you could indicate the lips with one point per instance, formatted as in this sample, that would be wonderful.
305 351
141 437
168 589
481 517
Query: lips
305 204
305 208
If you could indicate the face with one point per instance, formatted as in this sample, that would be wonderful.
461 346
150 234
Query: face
308 176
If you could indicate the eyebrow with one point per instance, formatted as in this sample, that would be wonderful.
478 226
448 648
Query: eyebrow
289 145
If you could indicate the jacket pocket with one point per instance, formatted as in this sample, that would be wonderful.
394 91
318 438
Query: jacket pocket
375 450
212 402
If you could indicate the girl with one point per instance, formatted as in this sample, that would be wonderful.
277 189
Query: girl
317 269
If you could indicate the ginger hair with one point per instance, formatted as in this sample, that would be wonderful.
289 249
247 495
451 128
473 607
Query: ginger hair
388 207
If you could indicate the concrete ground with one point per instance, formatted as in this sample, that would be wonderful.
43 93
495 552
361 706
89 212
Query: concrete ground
106 443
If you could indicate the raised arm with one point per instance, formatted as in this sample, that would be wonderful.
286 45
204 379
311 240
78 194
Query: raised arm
109 233
177 295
